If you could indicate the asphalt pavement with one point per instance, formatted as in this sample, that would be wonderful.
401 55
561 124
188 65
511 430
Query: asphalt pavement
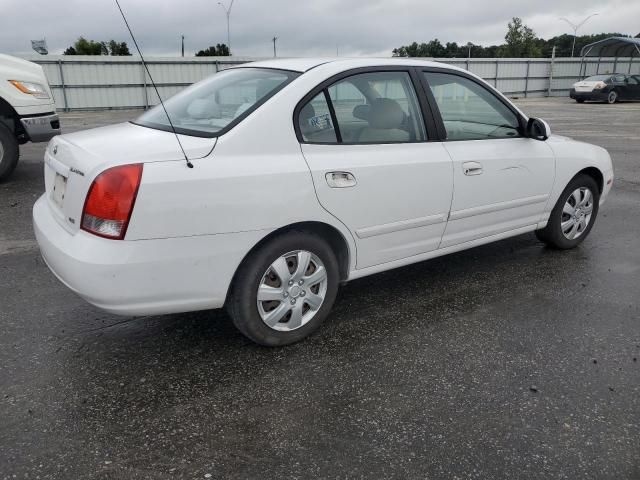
505 361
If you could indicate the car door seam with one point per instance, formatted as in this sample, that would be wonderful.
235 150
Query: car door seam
315 192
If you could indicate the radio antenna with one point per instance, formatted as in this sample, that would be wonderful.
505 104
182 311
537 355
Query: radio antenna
173 129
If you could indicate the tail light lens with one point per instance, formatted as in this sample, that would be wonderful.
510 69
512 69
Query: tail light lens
109 203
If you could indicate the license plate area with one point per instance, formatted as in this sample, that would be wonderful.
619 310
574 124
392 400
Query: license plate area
59 189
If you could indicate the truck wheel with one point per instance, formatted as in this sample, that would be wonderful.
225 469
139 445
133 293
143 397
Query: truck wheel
9 152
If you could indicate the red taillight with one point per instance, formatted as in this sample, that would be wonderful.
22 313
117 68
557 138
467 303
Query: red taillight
110 201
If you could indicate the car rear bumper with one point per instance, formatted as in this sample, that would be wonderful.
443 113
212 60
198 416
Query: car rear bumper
598 95
41 128
142 277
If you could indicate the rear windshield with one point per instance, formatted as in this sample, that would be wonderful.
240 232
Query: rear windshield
597 78
214 105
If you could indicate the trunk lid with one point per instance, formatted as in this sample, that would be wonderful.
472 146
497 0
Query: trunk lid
72 161
585 86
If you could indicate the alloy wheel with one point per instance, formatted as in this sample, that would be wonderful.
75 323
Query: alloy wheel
576 213
613 96
292 290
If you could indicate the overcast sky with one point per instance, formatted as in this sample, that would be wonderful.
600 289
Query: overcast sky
304 27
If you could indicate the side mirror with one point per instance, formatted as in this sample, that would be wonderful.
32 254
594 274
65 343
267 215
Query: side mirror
538 129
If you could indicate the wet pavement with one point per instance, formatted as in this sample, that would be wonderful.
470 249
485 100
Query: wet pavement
506 361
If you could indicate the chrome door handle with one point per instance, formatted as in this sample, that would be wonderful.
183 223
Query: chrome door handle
340 179
472 168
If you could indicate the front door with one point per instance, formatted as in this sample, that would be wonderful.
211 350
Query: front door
634 86
502 180
621 84
373 167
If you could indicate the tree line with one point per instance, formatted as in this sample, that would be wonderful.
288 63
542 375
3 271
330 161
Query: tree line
82 46
520 42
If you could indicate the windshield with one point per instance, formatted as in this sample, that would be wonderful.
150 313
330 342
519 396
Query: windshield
212 106
597 78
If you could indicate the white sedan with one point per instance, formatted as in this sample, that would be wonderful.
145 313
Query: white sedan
298 175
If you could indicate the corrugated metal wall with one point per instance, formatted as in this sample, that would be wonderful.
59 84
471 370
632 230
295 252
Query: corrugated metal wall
90 82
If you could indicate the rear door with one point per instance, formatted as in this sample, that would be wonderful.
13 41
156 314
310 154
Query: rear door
502 180
374 167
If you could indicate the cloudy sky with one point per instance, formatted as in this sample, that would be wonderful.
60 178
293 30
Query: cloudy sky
304 27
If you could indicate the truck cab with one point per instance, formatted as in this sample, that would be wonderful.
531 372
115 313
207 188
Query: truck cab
27 110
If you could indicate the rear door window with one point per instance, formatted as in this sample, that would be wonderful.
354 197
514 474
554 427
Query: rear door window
366 108
315 121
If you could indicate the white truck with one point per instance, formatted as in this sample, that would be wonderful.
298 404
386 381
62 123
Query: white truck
27 110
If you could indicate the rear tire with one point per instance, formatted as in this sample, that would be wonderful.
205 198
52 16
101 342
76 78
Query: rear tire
573 215
580 100
612 97
9 152
274 303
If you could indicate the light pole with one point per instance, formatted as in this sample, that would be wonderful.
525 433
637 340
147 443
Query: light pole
575 29
274 46
227 11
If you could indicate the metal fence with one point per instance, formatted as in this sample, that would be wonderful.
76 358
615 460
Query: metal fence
94 83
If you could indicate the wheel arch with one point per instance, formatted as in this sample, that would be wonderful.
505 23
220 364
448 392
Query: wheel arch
334 237
594 173
10 118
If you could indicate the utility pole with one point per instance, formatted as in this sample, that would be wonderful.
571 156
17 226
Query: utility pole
575 28
227 11
182 45
553 57
274 46
469 45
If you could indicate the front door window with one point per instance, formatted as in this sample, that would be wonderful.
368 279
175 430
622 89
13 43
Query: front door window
469 111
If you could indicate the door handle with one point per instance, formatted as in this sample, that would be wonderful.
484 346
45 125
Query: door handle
340 179
472 168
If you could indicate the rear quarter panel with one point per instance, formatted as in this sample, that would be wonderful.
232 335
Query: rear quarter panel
255 179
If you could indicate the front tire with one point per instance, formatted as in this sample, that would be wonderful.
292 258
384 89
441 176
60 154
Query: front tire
612 97
573 215
580 100
9 152
283 291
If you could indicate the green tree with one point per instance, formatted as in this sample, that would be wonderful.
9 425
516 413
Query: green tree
118 48
432 49
520 40
220 50
82 46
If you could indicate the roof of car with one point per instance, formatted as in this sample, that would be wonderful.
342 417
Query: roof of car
305 64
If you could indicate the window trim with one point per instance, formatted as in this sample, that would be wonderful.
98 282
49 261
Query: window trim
423 106
332 112
438 116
